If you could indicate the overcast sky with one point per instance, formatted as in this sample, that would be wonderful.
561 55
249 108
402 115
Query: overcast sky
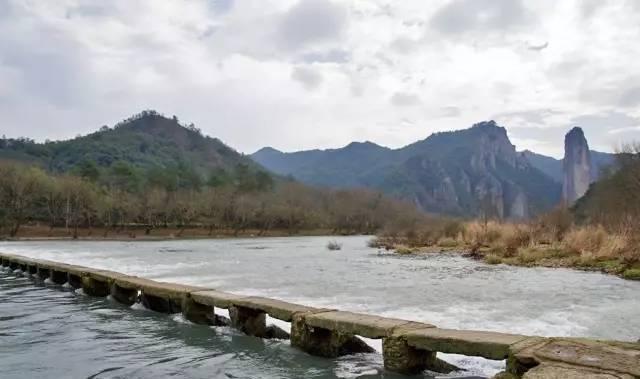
302 74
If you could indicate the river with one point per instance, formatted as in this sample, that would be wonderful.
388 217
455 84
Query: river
52 332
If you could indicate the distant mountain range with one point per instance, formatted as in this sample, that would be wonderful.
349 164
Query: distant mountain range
467 172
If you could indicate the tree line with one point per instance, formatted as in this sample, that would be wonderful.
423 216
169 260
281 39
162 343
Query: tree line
121 199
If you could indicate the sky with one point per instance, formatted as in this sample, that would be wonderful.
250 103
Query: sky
305 74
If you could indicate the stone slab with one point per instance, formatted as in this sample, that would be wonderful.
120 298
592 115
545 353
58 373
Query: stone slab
488 345
215 298
154 288
103 275
279 309
20 260
546 371
591 354
355 323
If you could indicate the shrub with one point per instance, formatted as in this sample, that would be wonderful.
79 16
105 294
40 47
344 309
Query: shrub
531 255
513 238
452 229
492 259
586 239
632 274
614 245
403 250
556 223
447 242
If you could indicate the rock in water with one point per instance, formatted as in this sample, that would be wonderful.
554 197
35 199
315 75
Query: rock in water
577 166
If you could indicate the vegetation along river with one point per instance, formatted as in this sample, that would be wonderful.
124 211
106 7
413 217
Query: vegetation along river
55 332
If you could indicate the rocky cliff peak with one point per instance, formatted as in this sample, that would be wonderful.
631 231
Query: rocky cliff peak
492 143
576 165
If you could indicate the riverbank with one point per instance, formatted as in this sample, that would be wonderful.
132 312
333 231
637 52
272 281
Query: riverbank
38 233
589 248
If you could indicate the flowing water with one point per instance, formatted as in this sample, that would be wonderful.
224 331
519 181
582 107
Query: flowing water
49 331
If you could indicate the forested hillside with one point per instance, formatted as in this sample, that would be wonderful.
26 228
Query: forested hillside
149 173
145 147
614 200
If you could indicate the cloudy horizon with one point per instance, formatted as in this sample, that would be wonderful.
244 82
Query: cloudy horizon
305 74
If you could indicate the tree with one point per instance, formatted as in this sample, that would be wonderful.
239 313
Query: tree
122 175
54 200
88 170
20 190
81 199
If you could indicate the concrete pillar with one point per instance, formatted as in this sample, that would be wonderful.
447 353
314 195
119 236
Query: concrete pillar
93 287
198 313
126 296
4 262
324 342
250 321
58 277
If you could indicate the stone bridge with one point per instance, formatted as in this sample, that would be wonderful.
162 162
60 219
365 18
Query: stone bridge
407 347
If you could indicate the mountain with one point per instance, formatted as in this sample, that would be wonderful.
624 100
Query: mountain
548 165
332 168
576 166
467 172
146 142
553 167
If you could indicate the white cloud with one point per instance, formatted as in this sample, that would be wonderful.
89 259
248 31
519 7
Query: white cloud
401 99
300 74
307 76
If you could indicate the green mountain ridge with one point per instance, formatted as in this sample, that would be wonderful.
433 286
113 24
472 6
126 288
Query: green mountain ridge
147 142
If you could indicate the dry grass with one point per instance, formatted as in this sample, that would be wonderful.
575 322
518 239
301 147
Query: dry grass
550 241
594 242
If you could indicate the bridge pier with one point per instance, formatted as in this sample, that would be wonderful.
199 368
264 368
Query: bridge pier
74 280
32 269
324 342
126 296
95 287
198 313
159 303
250 321
404 359
58 277
43 273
